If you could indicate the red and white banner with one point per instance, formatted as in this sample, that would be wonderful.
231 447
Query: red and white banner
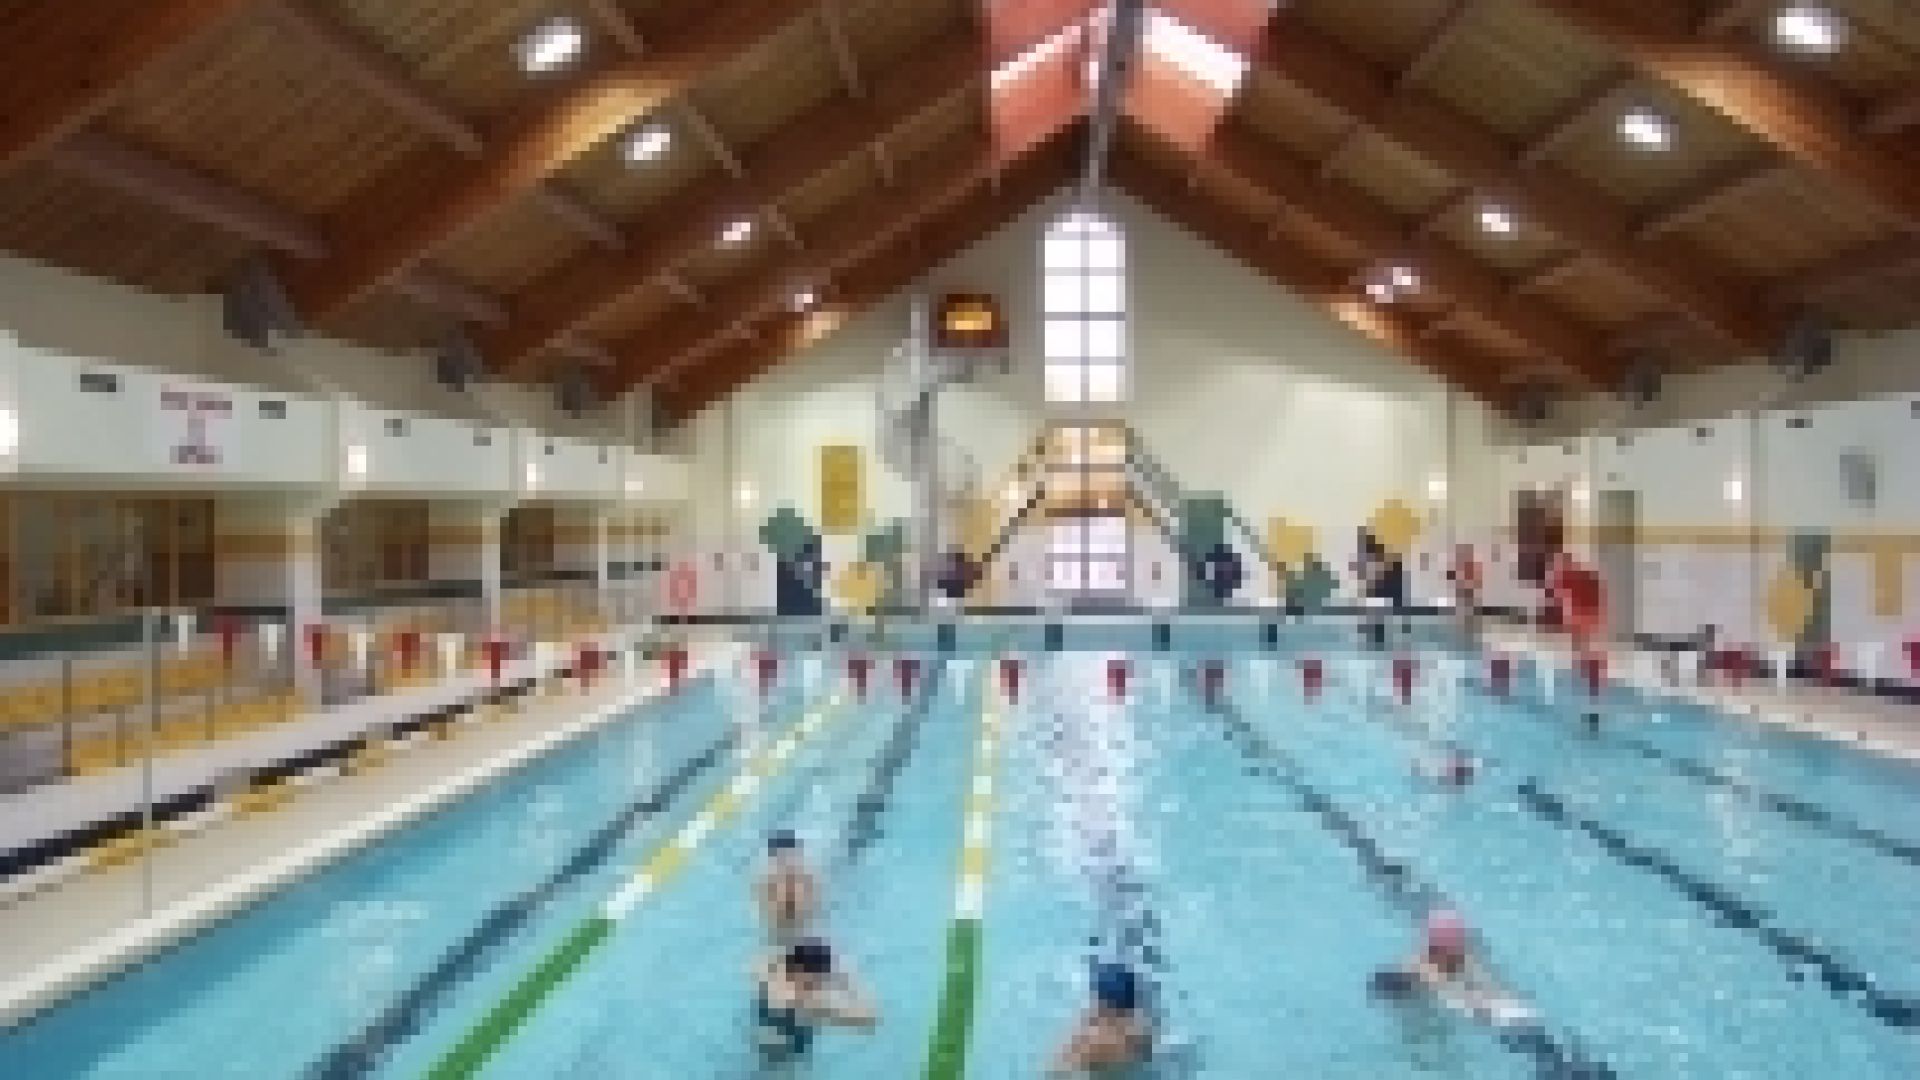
192 431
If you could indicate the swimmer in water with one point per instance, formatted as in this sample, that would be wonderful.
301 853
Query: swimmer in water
1112 1033
787 892
799 990
1455 770
1446 968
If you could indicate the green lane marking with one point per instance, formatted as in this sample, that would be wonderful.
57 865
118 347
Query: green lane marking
467 1056
947 1058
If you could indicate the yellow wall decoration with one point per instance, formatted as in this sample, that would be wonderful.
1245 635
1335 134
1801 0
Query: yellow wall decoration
842 490
1289 542
1789 604
1889 581
858 586
1395 526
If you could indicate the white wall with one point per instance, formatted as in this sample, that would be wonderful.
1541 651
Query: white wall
1238 387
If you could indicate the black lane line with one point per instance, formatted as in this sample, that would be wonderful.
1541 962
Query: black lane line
863 826
1552 1059
1802 810
1728 909
361 1054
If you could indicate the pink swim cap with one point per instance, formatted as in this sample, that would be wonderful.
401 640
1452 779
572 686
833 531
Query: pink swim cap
1446 932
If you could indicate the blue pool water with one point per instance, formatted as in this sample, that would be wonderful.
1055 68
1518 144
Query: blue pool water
1676 895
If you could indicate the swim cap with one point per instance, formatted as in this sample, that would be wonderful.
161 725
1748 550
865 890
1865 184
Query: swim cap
1446 931
783 841
810 957
1115 987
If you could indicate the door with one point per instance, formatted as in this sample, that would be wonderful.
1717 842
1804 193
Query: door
1616 550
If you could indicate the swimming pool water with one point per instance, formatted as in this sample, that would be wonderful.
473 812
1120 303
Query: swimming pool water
1677 895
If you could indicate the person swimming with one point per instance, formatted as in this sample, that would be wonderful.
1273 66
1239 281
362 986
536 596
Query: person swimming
1112 1033
787 892
1447 969
797 991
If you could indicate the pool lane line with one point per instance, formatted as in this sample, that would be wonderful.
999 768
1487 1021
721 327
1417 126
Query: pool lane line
953 1023
1841 979
466 1058
1552 1059
409 1011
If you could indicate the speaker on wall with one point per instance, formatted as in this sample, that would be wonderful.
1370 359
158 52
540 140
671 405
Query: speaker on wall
255 308
574 392
457 363
1807 348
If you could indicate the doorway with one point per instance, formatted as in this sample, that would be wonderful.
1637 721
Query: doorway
1617 552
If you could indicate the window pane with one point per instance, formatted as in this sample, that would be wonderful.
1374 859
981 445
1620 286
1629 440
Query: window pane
1065 382
1105 296
1105 341
1064 252
1065 574
1107 535
1066 339
1066 294
1105 382
1105 253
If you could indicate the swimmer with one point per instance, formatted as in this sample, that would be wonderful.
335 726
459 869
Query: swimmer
1455 770
787 892
1113 1033
1446 968
799 990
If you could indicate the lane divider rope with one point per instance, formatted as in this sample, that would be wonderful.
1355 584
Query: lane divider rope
947 1052
466 1058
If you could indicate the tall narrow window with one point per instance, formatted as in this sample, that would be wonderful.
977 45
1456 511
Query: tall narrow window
1085 300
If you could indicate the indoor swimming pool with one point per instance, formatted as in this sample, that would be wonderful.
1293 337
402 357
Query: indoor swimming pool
1668 894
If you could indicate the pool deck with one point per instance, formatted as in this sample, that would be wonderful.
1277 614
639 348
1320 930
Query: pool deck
1880 725
62 940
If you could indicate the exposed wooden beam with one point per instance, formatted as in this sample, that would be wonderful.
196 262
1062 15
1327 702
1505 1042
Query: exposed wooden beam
1897 113
577 214
687 223
186 193
586 351
1603 93
729 161
833 24
1804 119
933 183
426 203
1435 218
440 290
868 284
1349 141
1727 16
1445 30
381 74
1448 273
62 62
1711 192
1548 198
1878 258
614 21
682 289
1544 275
1311 280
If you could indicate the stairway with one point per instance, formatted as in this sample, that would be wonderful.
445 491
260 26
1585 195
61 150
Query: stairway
943 474
1156 482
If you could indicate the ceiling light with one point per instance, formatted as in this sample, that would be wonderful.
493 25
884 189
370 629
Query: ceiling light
1403 278
646 143
552 45
1380 290
1497 220
1811 29
805 299
736 233
1642 127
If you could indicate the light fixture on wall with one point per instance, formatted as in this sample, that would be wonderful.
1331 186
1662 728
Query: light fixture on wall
9 432
551 46
532 475
635 485
357 461
745 495
1581 493
1809 29
1734 490
1437 487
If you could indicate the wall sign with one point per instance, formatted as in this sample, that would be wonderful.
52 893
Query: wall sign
842 494
970 321
192 425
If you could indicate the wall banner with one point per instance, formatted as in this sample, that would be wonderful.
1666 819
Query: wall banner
842 494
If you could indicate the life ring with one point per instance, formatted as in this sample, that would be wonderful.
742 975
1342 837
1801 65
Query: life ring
682 587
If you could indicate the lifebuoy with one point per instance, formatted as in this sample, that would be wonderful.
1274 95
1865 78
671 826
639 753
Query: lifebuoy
683 583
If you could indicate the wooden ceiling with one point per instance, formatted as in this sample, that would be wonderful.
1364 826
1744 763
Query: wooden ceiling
406 179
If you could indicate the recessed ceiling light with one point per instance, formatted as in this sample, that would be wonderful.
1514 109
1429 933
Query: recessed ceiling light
1813 29
646 143
736 233
1643 127
1380 290
1403 278
552 45
805 299
1497 220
